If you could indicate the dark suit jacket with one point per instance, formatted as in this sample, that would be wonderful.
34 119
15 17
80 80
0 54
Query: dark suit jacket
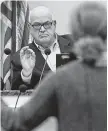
76 95
65 47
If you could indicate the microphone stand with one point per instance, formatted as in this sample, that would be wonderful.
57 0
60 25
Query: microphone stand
47 52
22 89
17 100
43 70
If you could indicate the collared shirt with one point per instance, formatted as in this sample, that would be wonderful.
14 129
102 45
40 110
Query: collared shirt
55 49
51 60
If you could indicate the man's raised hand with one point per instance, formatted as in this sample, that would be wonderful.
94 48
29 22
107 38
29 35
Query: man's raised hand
28 59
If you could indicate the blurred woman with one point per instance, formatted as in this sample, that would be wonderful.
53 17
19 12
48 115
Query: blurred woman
89 18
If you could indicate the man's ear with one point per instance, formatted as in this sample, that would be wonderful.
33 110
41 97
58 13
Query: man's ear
30 29
54 22
29 26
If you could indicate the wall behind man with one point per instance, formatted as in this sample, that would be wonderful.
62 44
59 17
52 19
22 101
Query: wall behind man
61 10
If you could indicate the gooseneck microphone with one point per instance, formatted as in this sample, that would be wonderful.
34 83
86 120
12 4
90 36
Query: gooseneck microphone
47 52
22 89
7 51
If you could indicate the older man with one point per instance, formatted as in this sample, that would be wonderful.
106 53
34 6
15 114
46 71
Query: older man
29 62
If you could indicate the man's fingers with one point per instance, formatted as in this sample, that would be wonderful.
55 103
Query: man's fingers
33 55
27 53
31 52
24 49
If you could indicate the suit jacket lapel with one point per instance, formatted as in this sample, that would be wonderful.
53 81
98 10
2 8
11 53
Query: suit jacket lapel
39 59
64 45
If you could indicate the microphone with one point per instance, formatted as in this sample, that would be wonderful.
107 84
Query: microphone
22 89
47 52
7 51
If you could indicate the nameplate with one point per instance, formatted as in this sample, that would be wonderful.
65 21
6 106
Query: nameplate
15 93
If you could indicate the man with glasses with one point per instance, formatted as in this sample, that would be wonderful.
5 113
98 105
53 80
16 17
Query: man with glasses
29 61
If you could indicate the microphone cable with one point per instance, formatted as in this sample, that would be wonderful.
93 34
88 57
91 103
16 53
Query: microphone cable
47 52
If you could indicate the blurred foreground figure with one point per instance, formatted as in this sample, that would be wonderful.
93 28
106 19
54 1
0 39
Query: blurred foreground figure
76 94
89 18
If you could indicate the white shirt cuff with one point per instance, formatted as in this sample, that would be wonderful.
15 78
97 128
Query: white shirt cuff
26 79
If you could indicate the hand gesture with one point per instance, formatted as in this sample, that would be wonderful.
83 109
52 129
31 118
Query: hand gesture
27 58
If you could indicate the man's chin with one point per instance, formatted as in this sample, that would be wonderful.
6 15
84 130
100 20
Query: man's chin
45 40
45 43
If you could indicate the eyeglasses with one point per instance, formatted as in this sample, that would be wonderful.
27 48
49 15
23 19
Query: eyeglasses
38 25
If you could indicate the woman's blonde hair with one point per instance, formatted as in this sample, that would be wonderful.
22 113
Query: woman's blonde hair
90 18
86 46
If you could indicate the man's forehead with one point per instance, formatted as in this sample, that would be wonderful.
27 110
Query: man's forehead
40 14
40 19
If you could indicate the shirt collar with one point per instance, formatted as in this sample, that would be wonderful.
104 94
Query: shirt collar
52 47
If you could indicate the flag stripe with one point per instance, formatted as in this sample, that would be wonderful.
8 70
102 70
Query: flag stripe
7 35
26 30
13 47
6 11
7 85
7 66
8 45
6 76
5 20
8 4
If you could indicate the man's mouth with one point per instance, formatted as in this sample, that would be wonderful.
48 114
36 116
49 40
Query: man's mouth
43 35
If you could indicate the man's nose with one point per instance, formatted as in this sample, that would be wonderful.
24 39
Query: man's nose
42 29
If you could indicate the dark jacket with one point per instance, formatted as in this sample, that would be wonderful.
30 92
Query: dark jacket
76 95
65 47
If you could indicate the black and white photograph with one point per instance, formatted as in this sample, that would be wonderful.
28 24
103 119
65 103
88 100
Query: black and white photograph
53 65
